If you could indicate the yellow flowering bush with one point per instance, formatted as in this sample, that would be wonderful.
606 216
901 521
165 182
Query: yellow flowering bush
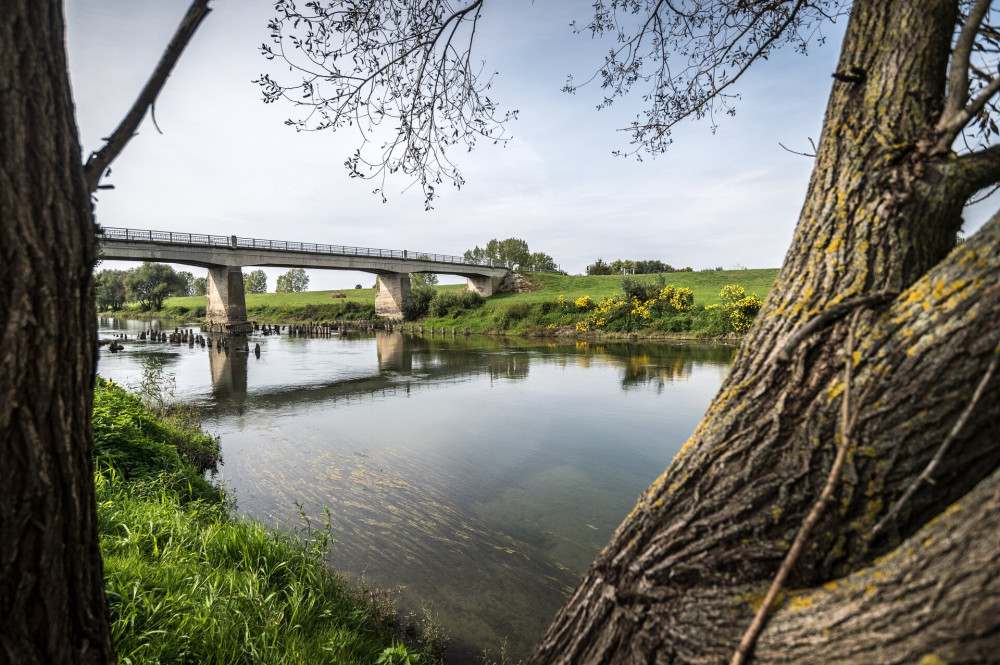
739 308
584 302
677 298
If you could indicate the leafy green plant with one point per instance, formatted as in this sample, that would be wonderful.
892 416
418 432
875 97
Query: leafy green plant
447 303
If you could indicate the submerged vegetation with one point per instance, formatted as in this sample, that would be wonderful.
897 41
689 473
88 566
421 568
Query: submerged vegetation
188 582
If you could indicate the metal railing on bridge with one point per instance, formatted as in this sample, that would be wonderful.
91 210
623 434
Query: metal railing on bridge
236 242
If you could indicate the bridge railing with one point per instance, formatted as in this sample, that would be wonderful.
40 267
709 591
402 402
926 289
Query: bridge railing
235 242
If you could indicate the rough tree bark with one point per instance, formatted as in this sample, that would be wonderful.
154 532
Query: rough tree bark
678 582
51 582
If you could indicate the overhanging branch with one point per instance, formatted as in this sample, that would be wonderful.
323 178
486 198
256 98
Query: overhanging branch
99 161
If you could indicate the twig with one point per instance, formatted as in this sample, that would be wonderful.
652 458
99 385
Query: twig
742 652
796 152
99 161
828 316
932 465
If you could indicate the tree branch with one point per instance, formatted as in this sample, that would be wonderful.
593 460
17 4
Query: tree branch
932 465
958 73
828 316
99 161
974 171
950 125
742 653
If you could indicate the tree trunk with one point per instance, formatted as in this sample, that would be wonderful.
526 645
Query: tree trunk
51 582
678 580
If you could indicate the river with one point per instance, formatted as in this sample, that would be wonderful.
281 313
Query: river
479 474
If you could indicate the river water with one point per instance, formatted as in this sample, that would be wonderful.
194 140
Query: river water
481 475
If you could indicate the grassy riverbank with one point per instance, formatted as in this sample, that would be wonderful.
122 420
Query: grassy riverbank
187 582
538 312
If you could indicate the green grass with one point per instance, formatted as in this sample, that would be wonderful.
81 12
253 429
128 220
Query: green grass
536 313
706 285
511 313
188 583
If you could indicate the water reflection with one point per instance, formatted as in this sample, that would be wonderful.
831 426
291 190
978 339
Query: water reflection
482 474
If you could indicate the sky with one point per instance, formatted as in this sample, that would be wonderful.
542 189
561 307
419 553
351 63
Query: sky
227 164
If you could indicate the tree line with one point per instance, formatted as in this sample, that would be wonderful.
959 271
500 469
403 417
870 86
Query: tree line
152 283
510 252
632 267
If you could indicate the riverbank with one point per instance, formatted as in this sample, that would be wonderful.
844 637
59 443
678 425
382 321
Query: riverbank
604 306
187 581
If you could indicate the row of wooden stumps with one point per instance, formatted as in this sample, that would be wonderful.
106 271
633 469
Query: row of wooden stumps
178 336
443 330
323 329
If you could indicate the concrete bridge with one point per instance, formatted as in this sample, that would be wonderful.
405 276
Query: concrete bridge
225 257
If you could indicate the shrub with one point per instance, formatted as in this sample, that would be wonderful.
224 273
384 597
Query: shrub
447 303
738 308
417 302
637 289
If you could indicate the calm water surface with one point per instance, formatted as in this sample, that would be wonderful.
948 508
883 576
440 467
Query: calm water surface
482 475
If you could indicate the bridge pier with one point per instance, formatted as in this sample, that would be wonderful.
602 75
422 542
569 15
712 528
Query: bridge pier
226 310
390 290
484 285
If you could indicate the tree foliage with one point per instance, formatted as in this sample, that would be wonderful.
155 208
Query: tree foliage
400 72
255 281
510 252
632 267
423 279
109 290
293 281
151 283
200 286
185 282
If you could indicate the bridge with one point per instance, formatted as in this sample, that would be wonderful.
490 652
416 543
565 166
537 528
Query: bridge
225 257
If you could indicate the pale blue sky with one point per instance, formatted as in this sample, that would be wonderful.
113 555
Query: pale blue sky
227 164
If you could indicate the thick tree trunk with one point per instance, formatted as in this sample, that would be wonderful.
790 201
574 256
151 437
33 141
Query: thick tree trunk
881 214
51 583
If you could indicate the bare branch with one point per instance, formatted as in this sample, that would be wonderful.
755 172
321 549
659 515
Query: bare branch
958 72
399 72
951 126
99 161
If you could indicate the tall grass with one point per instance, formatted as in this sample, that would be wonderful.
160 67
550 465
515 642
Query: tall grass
188 583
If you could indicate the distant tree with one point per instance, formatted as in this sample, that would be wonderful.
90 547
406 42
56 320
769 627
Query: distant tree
541 261
357 286
151 283
510 252
599 267
188 283
423 279
293 281
109 289
200 286
255 281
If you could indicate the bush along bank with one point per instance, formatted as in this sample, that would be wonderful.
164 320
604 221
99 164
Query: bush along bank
639 308
187 582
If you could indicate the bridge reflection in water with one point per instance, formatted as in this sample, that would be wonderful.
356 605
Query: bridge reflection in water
435 359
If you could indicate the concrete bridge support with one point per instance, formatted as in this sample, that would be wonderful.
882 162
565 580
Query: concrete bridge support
390 290
483 285
226 311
